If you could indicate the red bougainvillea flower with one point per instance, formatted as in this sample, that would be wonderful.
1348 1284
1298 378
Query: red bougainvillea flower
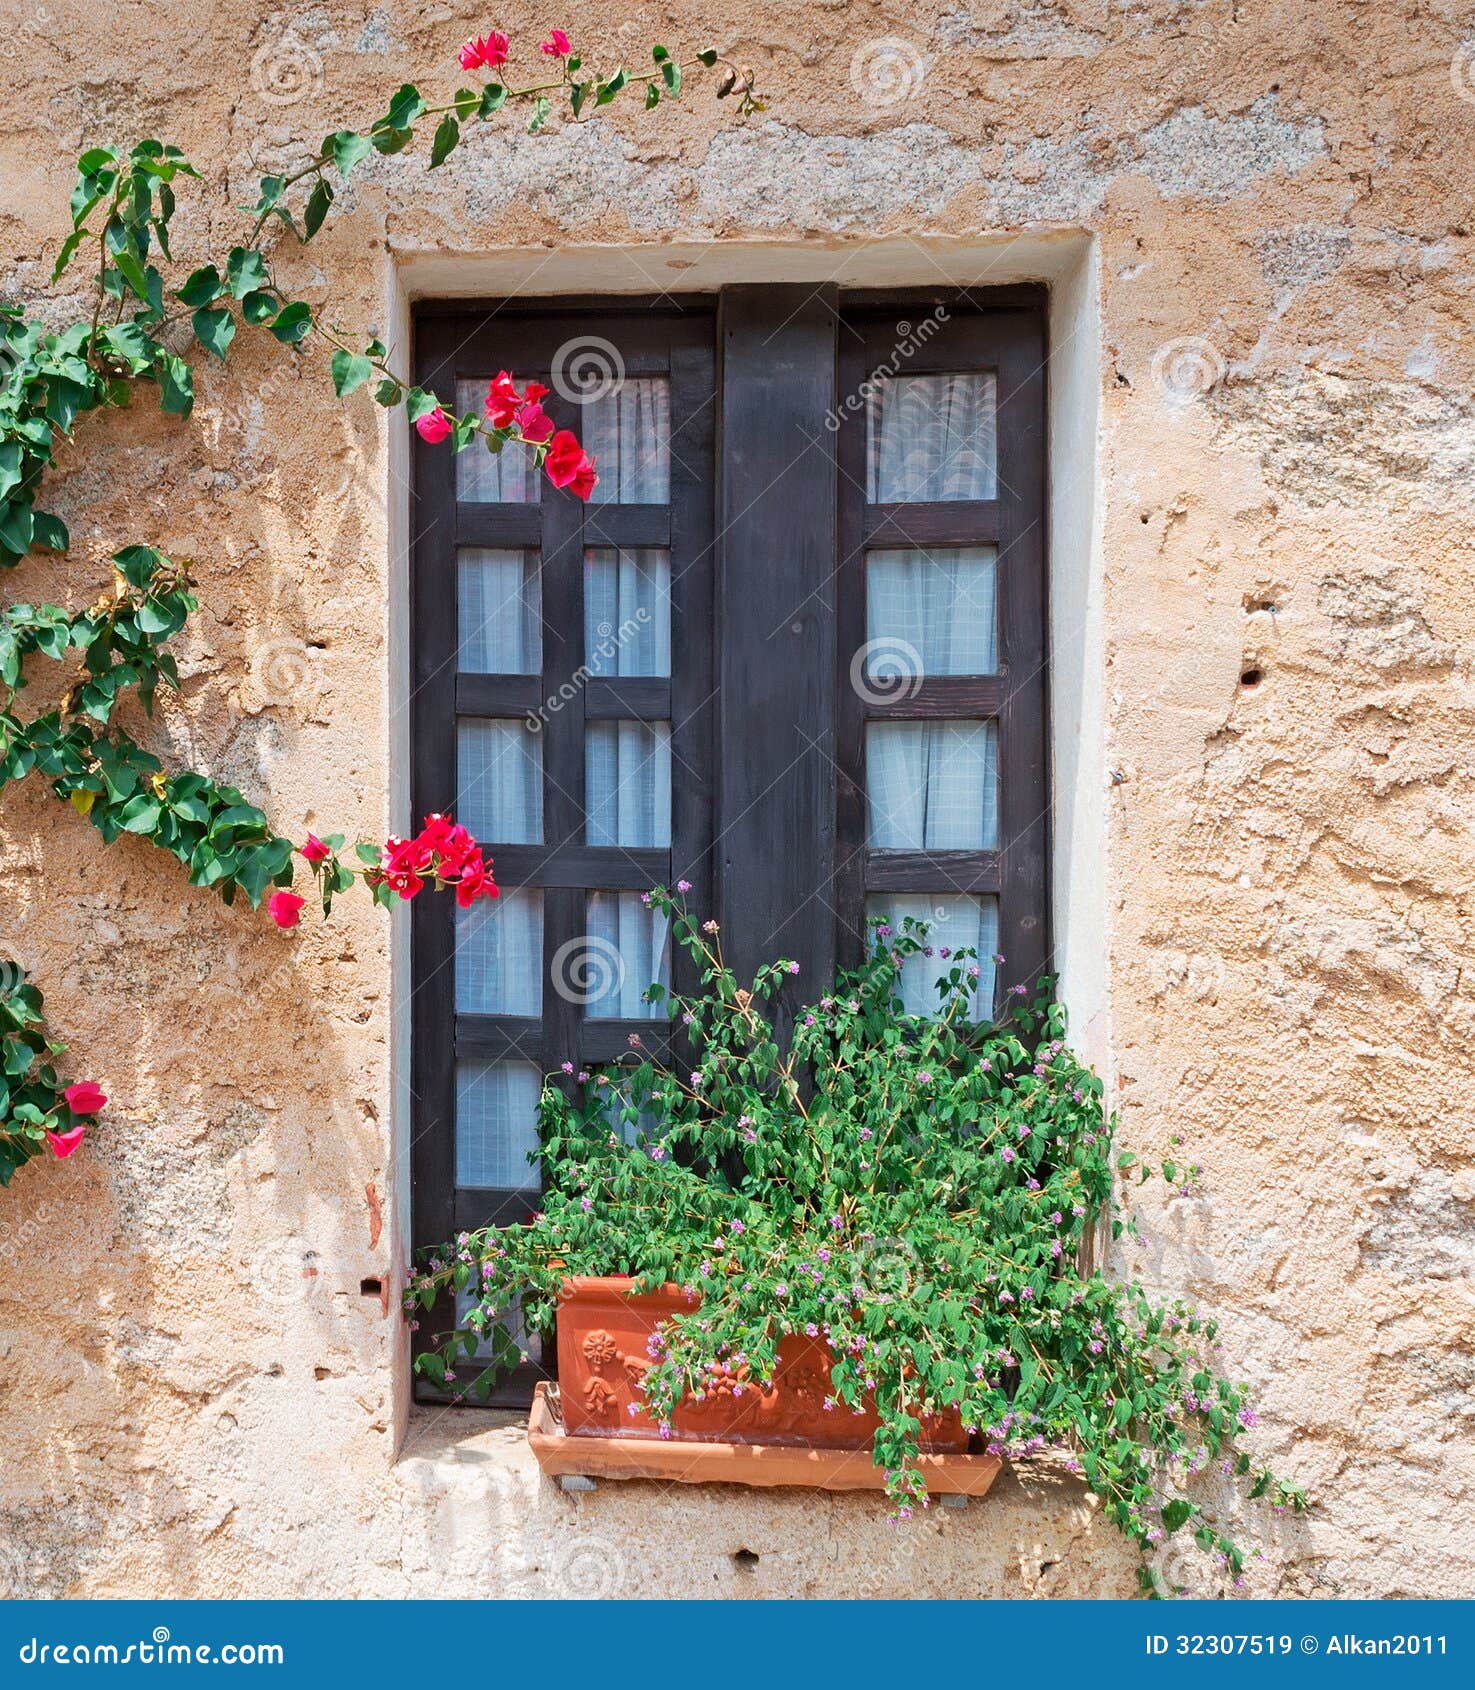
433 427
503 400
568 465
85 1098
585 479
557 46
489 50
63 1144
315 851
285 908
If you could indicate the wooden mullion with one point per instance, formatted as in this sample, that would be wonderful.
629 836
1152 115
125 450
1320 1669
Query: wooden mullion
612 867
500 1038
947 522
498 695
633 698
961 697
505 527
947 873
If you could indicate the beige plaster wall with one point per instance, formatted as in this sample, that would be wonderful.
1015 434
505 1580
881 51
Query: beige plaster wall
1265 893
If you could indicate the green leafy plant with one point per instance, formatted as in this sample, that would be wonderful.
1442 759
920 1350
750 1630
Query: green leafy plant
141 310
917 1191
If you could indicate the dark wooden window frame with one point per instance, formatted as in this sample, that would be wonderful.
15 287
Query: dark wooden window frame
768 527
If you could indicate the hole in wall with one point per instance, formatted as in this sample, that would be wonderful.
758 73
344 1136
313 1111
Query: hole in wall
1251 677
744 1560
371 1288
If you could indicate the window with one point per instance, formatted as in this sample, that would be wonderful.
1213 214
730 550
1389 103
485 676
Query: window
804 671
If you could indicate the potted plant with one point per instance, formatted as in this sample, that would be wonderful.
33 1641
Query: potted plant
876 1218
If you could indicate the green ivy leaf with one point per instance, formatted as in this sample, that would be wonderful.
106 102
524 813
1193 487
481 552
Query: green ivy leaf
708 56
346 148
176 385
259 308
214 330
493 98
1177 1513
350 371
203 286
318 202
447 134
292 323
671 71
245 271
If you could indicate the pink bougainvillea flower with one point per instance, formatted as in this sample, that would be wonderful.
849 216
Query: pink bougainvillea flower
585 480
63 1144
315 851
489 50
85 1098
557 46
285 908
534 422
433 427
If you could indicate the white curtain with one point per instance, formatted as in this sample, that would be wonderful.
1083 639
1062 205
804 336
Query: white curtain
499 781
627 783
499 603
497 1124
627 611
499 955
491 478
629 945
954 923
932 786
629 431
932 438
939 605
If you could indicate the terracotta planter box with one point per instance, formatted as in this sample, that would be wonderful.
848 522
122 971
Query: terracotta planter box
603 1329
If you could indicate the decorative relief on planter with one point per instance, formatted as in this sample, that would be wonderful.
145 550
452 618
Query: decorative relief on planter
603 1331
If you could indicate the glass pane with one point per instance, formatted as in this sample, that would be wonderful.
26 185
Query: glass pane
627 950
933 786
931 613
627 783
627 611
953 924
497 1124
499 955
491 478
499 781
932 438
499 604
511 1320
628 430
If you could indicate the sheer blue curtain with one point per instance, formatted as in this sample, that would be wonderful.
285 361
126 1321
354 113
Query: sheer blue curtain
627 783
627 611
497 1124
932 438
499 781
507 477
933 612
499 955
498 606
629 431
933 786
632 944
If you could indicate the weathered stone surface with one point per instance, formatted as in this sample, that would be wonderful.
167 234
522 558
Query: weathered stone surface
195 1397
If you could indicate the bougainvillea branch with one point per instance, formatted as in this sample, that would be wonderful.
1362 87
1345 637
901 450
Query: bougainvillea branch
122 211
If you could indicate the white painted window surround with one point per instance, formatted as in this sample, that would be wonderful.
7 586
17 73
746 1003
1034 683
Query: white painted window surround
1069 263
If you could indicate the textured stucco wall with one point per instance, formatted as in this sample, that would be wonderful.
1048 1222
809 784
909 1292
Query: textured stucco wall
195 1399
